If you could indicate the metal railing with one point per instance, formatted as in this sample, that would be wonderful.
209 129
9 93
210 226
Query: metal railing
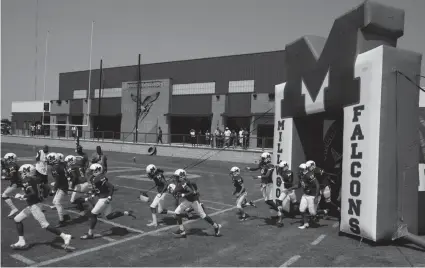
201 141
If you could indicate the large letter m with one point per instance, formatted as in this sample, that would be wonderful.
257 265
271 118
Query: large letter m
320 73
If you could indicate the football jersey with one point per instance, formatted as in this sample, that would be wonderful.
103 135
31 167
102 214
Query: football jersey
288 178
159 180
187 188
12 173
81 161
238 184
267 173
59 173
308 183
33 189
101 186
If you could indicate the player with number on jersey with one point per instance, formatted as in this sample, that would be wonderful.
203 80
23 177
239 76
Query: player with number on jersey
34 194
240 192
266 168
11 172
157 205
287 199
77 181
311 195
325 184
60 185
103 191
189 195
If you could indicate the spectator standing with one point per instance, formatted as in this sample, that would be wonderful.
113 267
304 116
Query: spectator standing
207 137
193 137
159 135
241 137
234 139
32 128
227 134
74 132
198 140
245 138
217 137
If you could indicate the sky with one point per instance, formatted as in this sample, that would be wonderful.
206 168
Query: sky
161 30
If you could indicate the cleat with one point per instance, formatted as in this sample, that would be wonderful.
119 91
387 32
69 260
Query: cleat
152 224
305 226
180 233
60 224
244 218
251 203
130 213
87 236
19 245
217 230
67 240
13 212
52 207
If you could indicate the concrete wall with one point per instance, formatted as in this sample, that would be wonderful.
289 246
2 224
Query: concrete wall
247 157
261 104
217 108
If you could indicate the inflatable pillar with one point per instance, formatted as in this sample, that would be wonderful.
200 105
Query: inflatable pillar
351 79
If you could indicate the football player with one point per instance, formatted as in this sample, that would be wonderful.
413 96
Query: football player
287 200
240 192
103 191
325 183
82 160
100 158
157 175
187 192
266 168
11 172
60 188
77 181
41 164
311 195
34 194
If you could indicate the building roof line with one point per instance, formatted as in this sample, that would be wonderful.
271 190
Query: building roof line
185 60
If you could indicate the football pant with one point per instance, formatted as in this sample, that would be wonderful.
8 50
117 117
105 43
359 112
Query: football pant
158 202
36 212
185 204
102 205
307 202
82 188
240 200
287 199
267 192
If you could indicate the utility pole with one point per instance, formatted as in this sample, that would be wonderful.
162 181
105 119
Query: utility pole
100 87
138 102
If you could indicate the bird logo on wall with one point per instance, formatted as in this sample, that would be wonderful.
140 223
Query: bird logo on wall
145 105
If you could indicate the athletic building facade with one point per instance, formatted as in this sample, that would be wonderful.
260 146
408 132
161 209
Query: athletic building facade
202 94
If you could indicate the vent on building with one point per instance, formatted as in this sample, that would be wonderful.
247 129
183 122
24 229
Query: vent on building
194 88
244 86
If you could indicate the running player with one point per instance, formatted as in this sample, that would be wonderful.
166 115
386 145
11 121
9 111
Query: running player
11 172
187 192
287 200
34 194
240 192
157 175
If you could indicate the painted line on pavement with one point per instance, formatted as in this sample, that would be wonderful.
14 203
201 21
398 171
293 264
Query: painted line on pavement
23 259
106 221
97 248
291 261
318 240
109 239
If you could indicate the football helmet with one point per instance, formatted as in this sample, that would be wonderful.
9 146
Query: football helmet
151 169
10 158
266 157
302 169
180 174
52 158
171 187
27 170
60 157
95 169
70 160
311 165
283 165
235 171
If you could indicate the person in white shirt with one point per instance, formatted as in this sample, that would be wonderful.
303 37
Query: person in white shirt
241 137
227 134
193 137
41 165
